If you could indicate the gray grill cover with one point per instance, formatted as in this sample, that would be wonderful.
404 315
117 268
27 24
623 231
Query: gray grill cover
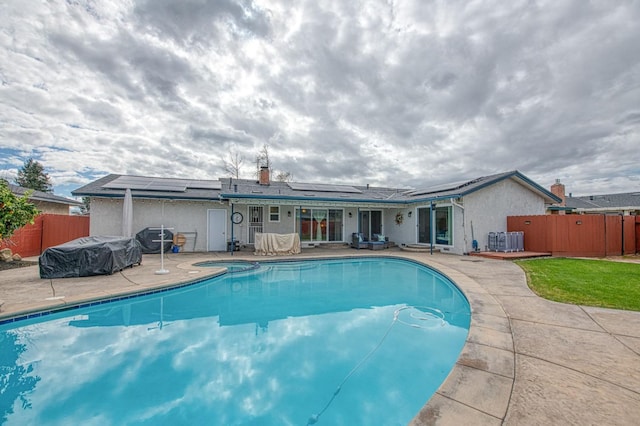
149 239
88 256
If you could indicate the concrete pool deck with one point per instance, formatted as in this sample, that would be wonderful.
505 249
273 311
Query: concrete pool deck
527 361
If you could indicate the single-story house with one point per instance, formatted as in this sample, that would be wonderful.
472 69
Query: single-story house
212 213
46 202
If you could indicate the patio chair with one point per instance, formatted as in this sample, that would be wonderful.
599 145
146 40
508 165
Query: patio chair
358 241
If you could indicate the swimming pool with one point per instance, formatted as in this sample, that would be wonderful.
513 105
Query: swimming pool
361 341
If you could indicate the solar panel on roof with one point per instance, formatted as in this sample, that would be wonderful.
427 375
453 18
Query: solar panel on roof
147 184
205 184
166 186
124 182
319 187
160 184
438 188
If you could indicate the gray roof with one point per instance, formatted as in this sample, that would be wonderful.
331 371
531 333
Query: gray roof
43 196
247 190
605 201
460 189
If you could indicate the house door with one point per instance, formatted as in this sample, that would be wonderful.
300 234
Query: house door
216 230
424 225
256 222
370 223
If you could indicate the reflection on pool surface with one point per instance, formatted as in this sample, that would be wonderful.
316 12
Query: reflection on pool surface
334 342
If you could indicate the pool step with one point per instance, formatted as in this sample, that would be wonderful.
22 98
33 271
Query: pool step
419 248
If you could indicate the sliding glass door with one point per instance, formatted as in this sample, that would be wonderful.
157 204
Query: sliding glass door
318 225
441 219
335 225
424 225
370 223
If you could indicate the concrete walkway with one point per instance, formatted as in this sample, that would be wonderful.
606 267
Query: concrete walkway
527 361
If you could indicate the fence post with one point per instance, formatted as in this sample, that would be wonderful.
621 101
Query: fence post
622 227
604 216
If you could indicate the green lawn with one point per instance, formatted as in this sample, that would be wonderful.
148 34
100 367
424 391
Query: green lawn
585 282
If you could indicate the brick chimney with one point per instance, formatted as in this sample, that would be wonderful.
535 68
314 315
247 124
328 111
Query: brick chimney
264 175
558 190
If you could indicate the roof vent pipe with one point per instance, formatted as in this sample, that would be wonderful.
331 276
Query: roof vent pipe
235 187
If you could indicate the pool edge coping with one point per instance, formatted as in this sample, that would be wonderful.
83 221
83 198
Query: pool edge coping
59 305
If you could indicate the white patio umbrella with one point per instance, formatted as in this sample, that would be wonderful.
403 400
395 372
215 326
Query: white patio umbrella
127 214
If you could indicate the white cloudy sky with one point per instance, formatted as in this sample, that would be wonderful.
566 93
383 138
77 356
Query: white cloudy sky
398 93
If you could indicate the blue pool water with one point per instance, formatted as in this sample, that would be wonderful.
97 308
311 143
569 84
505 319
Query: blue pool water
333 342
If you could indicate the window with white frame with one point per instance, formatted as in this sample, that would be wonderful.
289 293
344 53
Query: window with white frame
274 213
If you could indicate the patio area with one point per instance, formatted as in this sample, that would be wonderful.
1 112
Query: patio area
527 361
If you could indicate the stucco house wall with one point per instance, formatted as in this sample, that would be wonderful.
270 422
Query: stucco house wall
182 216
489 207
191 216
387 222
51 208
285 225
404 233
350 223
460 240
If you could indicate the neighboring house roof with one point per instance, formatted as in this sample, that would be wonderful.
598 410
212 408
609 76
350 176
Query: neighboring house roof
294 192
43 196
605 202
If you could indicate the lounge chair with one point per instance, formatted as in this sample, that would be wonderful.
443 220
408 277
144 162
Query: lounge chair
381 238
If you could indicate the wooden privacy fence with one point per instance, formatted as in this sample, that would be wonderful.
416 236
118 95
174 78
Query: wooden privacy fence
48 230
579 235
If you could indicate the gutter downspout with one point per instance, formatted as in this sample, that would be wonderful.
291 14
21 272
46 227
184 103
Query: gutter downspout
232 245
431 228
